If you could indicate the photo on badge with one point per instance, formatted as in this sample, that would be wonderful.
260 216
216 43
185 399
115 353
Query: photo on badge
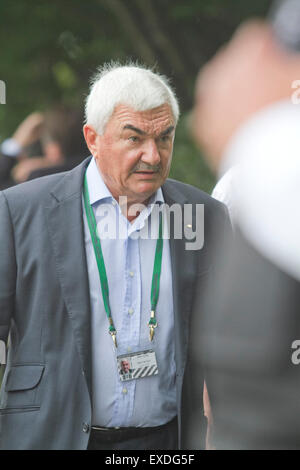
125 369
137 365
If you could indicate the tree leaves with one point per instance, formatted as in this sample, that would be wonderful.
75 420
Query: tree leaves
49 50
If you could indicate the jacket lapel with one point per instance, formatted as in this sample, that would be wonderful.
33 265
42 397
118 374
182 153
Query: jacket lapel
65 223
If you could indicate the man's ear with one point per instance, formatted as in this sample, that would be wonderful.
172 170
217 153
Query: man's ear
91 138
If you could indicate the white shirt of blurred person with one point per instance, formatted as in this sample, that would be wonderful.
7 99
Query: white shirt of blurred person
223 191
256 149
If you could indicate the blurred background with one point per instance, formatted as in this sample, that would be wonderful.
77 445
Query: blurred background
49 50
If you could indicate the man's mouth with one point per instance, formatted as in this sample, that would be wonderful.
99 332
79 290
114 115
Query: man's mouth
146 173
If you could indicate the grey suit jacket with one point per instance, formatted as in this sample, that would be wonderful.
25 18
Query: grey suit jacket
45 400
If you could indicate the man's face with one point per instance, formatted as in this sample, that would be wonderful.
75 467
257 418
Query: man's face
135 151
125 366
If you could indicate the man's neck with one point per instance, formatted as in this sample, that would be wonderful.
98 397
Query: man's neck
132 208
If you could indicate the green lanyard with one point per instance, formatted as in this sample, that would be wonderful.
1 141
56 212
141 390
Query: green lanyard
102 271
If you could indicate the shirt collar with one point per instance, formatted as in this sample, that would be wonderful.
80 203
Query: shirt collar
99 191
97 188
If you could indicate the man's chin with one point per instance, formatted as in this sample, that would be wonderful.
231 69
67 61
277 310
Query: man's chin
142 193
148 187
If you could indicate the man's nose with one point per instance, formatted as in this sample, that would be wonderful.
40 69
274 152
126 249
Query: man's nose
150 153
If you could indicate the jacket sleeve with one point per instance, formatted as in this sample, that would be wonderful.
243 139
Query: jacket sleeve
7 269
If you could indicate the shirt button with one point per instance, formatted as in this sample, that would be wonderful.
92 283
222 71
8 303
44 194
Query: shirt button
131 273
128 349
114 203
85 427
124 391
130 311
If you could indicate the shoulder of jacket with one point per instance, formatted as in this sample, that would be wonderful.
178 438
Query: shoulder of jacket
31 192
191 192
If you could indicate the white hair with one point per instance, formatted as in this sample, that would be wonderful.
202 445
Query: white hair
131 85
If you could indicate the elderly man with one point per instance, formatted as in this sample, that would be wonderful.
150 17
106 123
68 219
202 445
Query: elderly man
81 285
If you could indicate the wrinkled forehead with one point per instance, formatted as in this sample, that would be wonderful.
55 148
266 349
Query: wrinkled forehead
152 121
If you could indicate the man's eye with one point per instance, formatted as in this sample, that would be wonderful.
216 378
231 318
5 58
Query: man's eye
164 138
133 138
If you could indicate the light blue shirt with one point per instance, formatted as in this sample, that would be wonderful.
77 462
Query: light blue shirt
129 259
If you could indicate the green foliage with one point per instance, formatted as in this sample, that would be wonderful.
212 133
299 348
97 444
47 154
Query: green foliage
49 50
188 164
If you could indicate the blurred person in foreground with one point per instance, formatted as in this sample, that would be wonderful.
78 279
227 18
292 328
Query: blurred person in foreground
58 133
83 284
245 118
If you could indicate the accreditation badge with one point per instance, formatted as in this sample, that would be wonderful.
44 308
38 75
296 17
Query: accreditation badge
137 365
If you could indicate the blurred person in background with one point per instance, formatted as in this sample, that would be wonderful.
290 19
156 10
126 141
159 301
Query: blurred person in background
59 134
15 149
246 118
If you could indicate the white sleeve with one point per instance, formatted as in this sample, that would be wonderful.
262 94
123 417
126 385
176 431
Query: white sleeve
223 191
267 187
